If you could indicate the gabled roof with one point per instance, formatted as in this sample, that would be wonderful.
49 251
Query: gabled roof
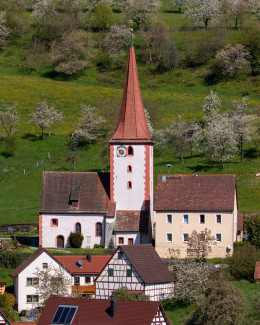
195 193
90 189
97 311
257 271
94 267
131 124
131 221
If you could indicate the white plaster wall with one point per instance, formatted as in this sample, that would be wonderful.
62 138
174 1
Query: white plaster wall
126 236
66 224
29 272
129 199
160 291
151 184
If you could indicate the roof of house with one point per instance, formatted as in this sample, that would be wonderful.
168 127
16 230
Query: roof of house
94 267
257 271
240 221
97 311
195 193
131 124
131 221
90 189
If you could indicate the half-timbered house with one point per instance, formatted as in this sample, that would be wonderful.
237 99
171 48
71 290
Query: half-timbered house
140 269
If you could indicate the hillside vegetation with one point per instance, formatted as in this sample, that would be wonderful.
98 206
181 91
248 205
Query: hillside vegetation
28 77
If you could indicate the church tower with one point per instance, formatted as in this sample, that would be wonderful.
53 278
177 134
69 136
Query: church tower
131 149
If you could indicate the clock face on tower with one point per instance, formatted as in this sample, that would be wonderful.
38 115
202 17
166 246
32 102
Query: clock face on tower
121 151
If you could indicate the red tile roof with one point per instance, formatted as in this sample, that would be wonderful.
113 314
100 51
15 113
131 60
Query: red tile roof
195 193
91 188
70 263
131 124
257 271
240 221
131 221
97 312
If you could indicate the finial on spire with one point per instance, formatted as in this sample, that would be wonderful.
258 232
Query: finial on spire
131 42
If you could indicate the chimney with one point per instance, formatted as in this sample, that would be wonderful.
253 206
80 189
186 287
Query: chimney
89 257
112 308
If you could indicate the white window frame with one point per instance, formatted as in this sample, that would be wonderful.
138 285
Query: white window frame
185 233
218 241
168 214
183 220
169 241
219 223
202 223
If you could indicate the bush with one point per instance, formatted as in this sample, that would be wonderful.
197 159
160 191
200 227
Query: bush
12 259
76 239
242 263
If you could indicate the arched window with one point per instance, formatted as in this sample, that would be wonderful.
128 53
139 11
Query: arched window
130 151
98 229
78 228
129 169
129 185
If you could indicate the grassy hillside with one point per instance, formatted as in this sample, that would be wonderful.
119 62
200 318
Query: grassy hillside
174 92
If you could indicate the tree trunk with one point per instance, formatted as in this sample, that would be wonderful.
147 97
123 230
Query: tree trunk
179 10
206 23
42 132
236 22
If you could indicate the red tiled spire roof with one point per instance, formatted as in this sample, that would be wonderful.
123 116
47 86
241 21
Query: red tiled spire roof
131 123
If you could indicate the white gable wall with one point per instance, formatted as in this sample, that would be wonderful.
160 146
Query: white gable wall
159 318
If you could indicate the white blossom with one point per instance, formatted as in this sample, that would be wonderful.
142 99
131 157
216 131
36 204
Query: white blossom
4 32
117 38
9 118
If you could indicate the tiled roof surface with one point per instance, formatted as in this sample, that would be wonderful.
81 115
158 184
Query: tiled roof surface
94 267
131 123
97 312
240 221
147 263
195 193
257 271
91 188
131 221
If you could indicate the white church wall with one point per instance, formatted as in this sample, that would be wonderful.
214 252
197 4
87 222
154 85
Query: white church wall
135 236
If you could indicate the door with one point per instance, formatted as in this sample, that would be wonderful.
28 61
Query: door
60 242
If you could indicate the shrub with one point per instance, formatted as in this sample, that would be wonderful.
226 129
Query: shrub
12 259
76 239
123 294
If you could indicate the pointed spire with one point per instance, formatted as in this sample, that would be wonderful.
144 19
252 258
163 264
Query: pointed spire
131 124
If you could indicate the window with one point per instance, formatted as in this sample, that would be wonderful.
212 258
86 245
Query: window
129 273
202 236
32 281
169 237
186 218
129 169
218 238
185 237
129 185
64 315
121 240
218 218
32 298
130 151
110 272
74 203
78 228
76 280
87 279
98 229
202 218
120 255
169 218
130 241
54 222
44 265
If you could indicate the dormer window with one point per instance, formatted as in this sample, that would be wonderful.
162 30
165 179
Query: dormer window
74 203
130 151
74 196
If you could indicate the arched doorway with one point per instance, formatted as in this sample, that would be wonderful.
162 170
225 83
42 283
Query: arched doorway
60 242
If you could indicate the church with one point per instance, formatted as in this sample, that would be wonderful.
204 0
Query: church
107 208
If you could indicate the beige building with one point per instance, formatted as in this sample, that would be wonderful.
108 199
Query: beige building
184 203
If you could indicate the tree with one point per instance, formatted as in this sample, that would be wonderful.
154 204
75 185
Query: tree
141 12
180 4
4 32
241 124
103 17
221 304
252 227
212 104
9 118
233 59
76 239
53 281
70 56
123 294
7 302
237 9
199 244
44 116
116 40
203 11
